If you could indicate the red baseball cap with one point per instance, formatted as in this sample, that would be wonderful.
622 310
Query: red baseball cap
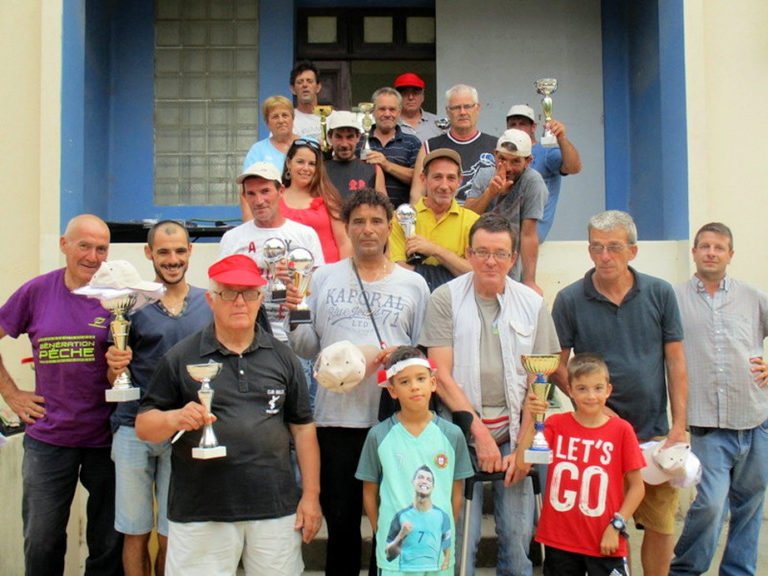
409 79
236 270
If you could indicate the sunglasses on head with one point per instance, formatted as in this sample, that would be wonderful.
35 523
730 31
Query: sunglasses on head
299 142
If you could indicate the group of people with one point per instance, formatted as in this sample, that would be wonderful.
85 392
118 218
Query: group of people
295 455
512 175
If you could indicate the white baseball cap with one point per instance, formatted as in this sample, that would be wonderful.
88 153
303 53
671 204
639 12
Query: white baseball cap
265 170
517 138
676 464
343 119
343 365
522 110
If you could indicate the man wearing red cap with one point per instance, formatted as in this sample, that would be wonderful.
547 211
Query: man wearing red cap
413 116
245 504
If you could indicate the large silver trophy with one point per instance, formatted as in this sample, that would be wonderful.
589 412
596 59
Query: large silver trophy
122 389
406 217
274 250
546 87
209 446
366 108
301 264
542 365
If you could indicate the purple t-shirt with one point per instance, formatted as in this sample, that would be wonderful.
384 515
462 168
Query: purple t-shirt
69 339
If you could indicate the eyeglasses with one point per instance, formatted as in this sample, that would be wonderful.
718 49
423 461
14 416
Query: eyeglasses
462 107
498 255
249 294
306 142
613 248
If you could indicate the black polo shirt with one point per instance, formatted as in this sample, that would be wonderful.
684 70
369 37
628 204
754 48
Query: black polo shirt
256 395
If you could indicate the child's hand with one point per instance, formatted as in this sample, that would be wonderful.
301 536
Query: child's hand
534 405
610 541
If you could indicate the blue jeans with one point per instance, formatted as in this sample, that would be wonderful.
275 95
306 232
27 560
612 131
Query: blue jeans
513 509
50 475
143 472
734 478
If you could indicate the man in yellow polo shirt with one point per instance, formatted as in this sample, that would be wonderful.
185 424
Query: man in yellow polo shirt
436 248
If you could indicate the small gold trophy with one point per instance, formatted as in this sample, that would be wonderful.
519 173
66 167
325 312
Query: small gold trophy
209 445
542 365
323 111
274 250
301 264
122 389
546 87
366 108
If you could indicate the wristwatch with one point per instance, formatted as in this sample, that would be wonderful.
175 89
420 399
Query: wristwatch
620 525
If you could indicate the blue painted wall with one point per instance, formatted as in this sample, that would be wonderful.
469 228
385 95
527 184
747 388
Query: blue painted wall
645 121
107 108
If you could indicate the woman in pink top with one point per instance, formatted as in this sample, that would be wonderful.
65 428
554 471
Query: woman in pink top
311 199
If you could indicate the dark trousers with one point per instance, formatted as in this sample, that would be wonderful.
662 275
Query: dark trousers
561 563
50 474
341 496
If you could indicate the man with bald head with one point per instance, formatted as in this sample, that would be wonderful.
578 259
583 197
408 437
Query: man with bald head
67 436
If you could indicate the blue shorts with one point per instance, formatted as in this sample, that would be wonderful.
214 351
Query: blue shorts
143 472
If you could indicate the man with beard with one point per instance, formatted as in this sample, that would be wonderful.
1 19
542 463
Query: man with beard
347 172
144 468
305 85
517 192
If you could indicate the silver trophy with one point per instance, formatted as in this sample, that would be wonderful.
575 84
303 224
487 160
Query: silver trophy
366 108
443 123
546 87
406 217
301 264
542 365
209 445
122 389
274 250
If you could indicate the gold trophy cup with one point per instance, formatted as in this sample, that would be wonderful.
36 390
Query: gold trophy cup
122 389
542 365
323 111
546 87
301 264
366 108
209 445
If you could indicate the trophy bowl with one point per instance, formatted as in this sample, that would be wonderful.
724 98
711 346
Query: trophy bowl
540 363
209 445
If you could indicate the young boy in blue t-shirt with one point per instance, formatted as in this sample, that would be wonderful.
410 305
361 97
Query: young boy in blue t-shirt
415 462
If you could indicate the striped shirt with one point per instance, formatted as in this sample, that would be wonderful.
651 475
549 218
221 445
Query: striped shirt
722 332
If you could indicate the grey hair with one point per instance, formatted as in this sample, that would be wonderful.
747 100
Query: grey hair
461 89
386 90
213 286
612 219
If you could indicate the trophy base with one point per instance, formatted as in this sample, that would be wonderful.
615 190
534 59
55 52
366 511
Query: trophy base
415 259
278 296
209 453
537 456
298 317
122 394
549 141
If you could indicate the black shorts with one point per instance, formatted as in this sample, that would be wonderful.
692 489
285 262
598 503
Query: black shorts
561 563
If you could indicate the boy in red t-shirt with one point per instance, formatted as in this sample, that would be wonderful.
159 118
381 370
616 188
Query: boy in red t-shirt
595 454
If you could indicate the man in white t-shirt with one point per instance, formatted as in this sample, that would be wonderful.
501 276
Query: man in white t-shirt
261 189
305 85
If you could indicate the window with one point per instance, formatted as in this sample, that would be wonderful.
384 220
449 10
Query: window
206 98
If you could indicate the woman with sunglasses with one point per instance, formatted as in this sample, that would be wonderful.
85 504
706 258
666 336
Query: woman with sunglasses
311 199
278 115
